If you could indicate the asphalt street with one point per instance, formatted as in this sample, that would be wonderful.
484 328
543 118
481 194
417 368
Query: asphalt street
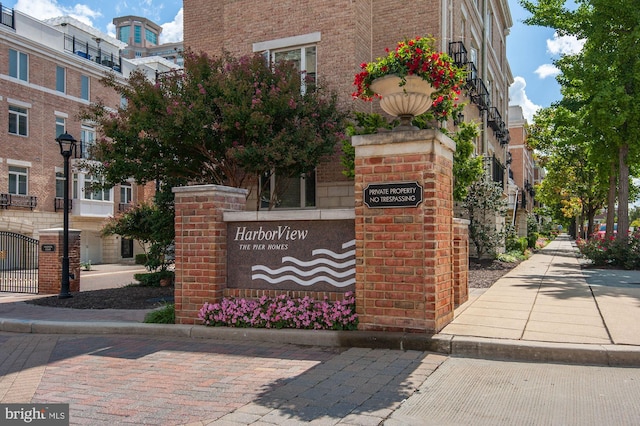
134 380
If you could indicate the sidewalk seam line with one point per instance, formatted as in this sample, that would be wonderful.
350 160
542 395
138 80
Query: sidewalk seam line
524 329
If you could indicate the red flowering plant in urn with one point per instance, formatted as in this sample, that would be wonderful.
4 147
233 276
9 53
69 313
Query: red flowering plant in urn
411 79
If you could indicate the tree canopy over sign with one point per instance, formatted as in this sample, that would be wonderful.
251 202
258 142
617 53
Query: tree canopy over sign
220 120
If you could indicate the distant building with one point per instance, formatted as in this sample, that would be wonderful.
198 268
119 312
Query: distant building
49 70
142 39
524 173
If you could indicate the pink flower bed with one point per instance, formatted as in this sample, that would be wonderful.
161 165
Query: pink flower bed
282 312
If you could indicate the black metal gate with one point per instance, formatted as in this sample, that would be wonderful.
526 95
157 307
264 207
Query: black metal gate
18 263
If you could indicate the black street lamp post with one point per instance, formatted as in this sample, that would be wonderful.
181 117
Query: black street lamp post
67 144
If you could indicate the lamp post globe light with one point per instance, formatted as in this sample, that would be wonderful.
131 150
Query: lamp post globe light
67 145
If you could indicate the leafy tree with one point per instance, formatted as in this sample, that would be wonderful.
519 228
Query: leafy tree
221 120
483 204
606 75
362 124
151 224
575 186
467 168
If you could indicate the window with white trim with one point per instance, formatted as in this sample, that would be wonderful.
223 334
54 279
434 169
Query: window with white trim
60 126
84 87
301 50
61 79
18 119
18 65
18 178
60 181
92 193
87 140
289 192
304 59
126 193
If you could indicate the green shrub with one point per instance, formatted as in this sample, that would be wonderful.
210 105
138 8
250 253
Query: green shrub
515 244
141 259
512 256
611 252
531 239
164 315
152 279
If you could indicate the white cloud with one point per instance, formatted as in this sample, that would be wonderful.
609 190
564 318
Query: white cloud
518 96
565 45
45 9
173 31
111 30
547 70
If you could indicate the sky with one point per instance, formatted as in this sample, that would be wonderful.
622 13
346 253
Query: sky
530 50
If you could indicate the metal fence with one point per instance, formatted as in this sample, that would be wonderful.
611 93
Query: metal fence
18 263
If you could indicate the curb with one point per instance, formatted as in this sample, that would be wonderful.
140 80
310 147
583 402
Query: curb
546 352
470 347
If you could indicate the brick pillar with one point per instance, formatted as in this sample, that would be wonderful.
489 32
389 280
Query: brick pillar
201 246
50 260
404 255
460 261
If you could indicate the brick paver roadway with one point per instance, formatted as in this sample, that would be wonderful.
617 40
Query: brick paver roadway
143 380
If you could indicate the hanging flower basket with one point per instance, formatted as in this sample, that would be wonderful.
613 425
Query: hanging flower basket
403 100
415 67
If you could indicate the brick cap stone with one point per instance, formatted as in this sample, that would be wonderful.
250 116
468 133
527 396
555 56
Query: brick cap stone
402 136
270 216
459 221
210 189
56 231
404 142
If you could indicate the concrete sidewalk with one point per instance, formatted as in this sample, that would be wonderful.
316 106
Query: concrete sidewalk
549 304
546 309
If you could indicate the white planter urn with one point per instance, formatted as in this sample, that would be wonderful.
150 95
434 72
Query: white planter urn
404 102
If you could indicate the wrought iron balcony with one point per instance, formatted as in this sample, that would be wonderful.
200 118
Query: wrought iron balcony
59 204
93 52
16 200
480 95
496 170
472 75
458 53
124 207
6 17
494 119
84 150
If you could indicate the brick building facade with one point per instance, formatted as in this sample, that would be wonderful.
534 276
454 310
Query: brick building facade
332 38
49 70
522 172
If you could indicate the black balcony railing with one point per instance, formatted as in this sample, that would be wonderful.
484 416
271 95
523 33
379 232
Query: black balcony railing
480 95
16 200
458 53
472 75
84 150
6 17
124 207
59 204
92 52
495 168
494 119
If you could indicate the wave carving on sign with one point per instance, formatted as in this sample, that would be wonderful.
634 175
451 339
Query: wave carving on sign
338 269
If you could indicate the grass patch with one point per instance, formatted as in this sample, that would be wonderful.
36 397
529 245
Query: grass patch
165 315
